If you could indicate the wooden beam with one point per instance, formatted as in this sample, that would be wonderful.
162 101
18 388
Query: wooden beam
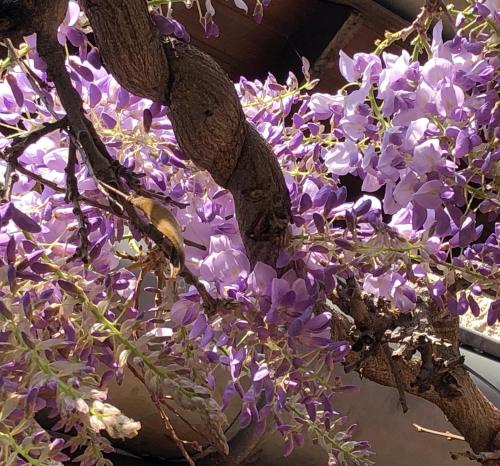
366 23
328 60
378 15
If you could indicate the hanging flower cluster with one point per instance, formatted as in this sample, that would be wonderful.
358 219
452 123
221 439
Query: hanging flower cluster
417 139
169 25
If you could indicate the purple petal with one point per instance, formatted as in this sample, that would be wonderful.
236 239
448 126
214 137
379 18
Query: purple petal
68 287
262 372
288 446
164 25
83 71
245 418
147 119
23 221
199 326
108 121
474 306
494 312
16 91
320 322
10 252
11 276
295 327
429 194
95 95
94 58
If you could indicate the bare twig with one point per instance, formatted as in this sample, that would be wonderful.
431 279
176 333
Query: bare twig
72 196
168 425
172 408
168 405
20 143
17 148
171 432
447 435
193 244
55 187
138 286
162 197
160 284
11 178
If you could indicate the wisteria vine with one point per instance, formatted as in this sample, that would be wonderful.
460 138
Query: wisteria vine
417 134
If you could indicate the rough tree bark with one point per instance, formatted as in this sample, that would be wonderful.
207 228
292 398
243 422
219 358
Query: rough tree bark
211 129
207 118
420 373
147 75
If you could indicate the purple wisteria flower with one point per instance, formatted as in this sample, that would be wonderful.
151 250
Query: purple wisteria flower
393 183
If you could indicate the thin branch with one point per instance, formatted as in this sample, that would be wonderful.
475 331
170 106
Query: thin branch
11 178
447 435
168 425
106 171
171 432
138 286
55 187
168 405
193 244
22 142
162 197
72 196
172 408
160 284
17 148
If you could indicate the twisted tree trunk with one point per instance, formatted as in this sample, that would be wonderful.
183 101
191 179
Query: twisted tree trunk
206 115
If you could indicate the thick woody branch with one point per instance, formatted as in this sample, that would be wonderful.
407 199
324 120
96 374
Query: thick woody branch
429 367
147 73
207 119
105 170
261 200
23 17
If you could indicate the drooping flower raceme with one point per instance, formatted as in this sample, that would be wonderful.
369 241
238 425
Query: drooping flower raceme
417 139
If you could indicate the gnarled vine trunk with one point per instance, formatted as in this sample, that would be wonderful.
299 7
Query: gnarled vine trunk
206 115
